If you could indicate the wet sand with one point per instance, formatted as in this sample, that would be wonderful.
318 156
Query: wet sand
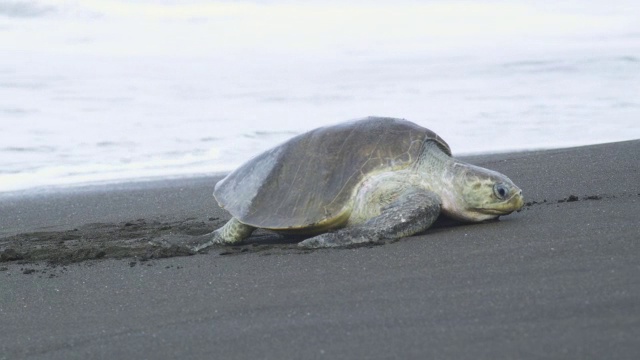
80 277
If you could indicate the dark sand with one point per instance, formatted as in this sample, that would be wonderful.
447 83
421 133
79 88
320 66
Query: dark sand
560 279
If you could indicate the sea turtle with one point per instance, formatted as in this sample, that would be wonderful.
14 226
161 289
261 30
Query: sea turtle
362 181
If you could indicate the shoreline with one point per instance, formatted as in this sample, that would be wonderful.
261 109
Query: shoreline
558 279
27 201
149 181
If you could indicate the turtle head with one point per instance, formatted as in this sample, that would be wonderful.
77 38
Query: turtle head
479 194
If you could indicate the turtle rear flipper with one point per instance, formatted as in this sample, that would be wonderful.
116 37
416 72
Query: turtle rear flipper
412 212
232 232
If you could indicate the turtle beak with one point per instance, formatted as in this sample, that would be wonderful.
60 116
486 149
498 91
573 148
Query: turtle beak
515 202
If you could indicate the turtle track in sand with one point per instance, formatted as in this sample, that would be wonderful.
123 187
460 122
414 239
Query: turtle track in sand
96 241
127 239
572 198
134 239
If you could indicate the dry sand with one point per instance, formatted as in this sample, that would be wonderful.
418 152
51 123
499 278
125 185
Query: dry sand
560 279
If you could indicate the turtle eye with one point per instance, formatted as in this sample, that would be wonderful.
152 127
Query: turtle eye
500 190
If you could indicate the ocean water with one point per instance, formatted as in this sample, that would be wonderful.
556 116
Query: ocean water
114 90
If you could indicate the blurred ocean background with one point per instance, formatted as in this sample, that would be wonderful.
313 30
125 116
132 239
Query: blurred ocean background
114 90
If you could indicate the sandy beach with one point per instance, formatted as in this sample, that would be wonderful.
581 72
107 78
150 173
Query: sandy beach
81 278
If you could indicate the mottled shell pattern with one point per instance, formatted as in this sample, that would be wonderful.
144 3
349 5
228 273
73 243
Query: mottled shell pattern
311 180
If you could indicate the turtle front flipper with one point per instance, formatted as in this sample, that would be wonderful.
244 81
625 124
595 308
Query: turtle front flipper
412 212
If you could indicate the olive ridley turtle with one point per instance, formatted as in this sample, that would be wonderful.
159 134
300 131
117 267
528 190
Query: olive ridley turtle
363 181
